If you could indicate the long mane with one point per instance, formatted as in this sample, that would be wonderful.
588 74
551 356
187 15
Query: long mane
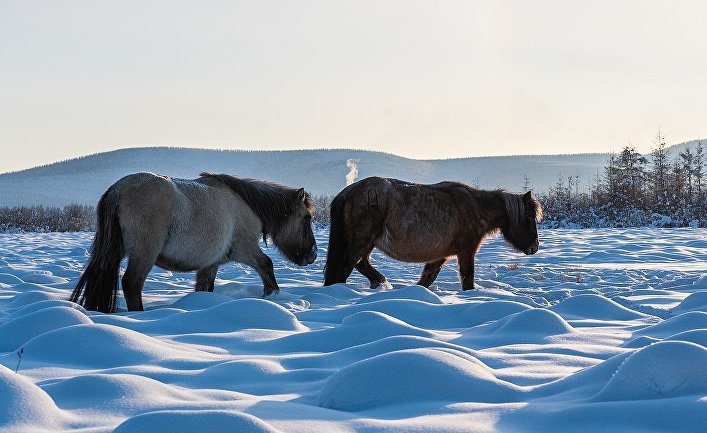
270 201
515 207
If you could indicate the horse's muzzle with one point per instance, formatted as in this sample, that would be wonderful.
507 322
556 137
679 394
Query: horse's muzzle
531 249
309 258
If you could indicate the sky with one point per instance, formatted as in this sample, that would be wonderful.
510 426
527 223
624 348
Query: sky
422 79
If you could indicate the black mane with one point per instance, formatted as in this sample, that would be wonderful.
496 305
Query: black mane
270 201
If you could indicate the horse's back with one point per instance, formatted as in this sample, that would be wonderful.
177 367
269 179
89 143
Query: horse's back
146 197
408 221
180 216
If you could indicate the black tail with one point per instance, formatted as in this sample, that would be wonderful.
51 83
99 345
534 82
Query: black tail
338 249
97 288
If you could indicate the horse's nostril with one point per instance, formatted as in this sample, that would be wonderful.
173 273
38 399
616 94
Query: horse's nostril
531 250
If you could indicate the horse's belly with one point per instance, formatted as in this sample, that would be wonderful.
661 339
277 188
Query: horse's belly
412 249
187 253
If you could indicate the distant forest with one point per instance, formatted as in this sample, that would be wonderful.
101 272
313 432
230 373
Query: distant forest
633 190
659 190
71 218
77 218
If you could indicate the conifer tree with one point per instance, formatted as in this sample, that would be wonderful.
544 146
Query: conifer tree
698 174
659 173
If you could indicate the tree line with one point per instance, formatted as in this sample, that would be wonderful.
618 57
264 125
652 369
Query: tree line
77 218
633 190
71 218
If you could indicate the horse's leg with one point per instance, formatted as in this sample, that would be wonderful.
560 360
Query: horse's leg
267 274
339 265
430 272
364 267
142 256
134 279
258 260
356 257
206 278
466 269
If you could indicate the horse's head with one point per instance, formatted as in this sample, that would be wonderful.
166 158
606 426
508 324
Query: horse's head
521 229
294 237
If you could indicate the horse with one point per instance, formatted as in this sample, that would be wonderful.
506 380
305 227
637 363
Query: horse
189 225
419 223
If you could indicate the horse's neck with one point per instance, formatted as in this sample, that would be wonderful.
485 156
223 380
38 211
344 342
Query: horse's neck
491 208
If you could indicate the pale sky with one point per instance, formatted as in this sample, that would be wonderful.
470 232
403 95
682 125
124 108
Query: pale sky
423 79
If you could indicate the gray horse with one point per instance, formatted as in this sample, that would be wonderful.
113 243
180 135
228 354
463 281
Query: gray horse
191 225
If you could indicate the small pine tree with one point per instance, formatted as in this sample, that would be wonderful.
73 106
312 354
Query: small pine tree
687 159
659 173
526 182
698 173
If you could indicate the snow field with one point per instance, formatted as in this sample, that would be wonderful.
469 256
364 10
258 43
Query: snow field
601 330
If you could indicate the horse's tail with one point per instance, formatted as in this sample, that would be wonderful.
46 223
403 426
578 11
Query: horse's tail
337 252
97 288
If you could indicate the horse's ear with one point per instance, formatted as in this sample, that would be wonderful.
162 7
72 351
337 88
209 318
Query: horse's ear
528 197
300 195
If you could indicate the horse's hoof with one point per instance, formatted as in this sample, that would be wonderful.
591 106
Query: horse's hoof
382 285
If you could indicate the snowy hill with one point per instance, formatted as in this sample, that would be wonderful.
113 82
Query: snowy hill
82 180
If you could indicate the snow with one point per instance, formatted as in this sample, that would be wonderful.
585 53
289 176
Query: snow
601 330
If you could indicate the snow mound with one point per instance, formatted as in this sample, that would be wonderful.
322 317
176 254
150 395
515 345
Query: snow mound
418 293
249 313
697 336
23 405
531 326
675 325
340 291
9 279
695 302
491 310
223 317
639 342
376 323
117 391
359 328
584 383
27 298
661 370
43 278
41 305
189 421
200 300
16 332
409 376
591 306
243 370
99 346
320 299
395 343
535 321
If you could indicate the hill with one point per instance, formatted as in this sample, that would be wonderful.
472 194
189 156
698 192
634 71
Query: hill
82 180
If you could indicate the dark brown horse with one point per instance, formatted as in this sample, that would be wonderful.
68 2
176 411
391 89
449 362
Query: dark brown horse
423 224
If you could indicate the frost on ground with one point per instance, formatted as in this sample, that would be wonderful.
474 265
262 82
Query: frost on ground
602 330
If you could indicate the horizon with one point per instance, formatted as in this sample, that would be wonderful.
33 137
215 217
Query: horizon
668 146
457 80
